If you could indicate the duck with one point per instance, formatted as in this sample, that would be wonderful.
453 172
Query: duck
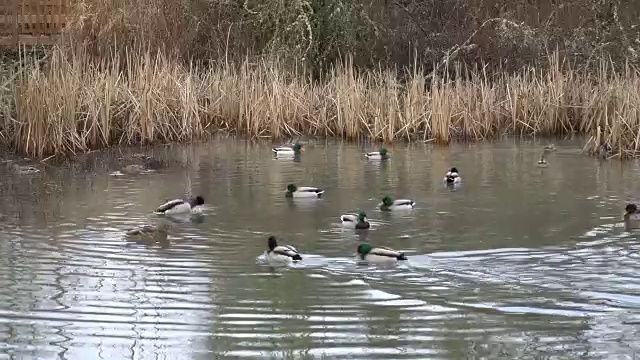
150 163
631 217
550 147
389 204
604 150
132 169
378 254
357 221
452 177
25 169
179 206
303 191
543 162
148 231
281 253
294 150
377 155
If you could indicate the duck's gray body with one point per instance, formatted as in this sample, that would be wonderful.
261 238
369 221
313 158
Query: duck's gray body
179 206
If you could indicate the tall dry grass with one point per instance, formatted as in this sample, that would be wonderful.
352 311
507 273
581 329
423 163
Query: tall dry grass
74 105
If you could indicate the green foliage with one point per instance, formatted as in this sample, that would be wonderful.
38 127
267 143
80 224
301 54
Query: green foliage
314 31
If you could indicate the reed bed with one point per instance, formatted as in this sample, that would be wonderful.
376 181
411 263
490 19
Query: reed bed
74 105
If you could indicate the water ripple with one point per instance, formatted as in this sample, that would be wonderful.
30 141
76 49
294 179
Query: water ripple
516 263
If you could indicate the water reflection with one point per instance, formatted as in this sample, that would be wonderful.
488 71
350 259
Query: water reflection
516 262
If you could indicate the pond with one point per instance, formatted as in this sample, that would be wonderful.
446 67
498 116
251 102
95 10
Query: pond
516 262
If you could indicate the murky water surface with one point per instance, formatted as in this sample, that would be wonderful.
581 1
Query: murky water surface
518 262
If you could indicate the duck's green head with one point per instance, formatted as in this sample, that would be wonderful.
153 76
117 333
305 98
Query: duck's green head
630 209
364 249
297 148
383 151
291 188
272 243
387 201
362 216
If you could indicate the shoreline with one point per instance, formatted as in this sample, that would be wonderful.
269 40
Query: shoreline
536 143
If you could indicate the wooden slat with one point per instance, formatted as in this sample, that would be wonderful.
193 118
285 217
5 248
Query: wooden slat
16 29
4 11
23 18
31 21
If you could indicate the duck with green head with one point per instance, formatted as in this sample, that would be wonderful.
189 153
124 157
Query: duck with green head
281 151
388 204
357 221
381 154
281 254
294 191
365 252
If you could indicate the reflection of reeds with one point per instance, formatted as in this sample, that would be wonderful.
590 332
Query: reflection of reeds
74 104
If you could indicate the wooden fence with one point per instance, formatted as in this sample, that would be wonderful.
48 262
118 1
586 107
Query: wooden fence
31 22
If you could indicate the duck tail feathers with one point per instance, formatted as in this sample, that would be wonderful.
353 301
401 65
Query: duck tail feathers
349 218
402 256
296 257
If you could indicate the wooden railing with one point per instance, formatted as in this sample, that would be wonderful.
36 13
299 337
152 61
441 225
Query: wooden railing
31 22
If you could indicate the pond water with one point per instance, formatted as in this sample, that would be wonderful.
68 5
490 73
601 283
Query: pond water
518 262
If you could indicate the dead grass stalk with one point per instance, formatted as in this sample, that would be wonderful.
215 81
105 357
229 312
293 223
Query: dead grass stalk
74 104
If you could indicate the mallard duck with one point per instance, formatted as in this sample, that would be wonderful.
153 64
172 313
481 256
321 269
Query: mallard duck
604 150
148 231
303 191
296 149
179 206
357 221
550 147
150 163
543 161
378 254
132 169
281 253
631 217
377 155
389 204
25 169
452 177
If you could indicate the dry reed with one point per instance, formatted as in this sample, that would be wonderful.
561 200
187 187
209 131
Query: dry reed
75 105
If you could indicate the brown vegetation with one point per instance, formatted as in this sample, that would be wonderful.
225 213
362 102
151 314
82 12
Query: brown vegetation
159 70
